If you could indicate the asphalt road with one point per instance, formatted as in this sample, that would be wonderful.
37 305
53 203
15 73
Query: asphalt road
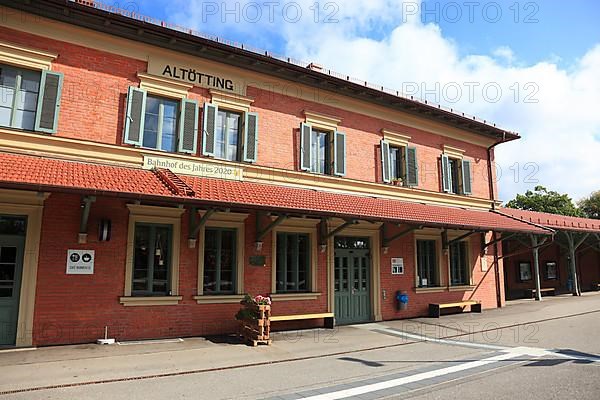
553 358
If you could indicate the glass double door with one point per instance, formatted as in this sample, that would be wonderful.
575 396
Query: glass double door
352 269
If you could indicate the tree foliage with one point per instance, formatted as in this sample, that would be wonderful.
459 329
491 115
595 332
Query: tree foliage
590 206
544 200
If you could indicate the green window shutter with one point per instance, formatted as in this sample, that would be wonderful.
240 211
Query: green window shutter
305 146
339 153
385 161
412 167
209 128
46 117
251 137
445 174
466 177
188 127
134 120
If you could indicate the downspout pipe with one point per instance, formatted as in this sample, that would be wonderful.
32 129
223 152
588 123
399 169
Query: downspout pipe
494 234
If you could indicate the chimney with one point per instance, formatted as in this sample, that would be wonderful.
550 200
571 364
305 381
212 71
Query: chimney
315 67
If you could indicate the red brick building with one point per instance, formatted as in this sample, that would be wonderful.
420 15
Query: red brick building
151 176
570 263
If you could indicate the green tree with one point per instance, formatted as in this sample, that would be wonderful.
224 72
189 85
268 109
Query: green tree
544 200
590 206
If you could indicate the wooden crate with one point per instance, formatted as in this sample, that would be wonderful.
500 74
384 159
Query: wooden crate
257 331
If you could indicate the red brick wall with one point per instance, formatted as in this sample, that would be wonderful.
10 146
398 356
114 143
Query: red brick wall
588 267
517 289
93 106
75 308
485 290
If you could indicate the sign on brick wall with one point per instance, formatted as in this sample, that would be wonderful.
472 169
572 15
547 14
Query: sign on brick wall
195 168
80 262
397 266
198 74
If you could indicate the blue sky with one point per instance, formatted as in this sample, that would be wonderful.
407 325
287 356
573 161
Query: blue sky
534 30
542 57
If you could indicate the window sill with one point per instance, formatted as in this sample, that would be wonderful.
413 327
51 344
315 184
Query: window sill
461 288
436 289
150 301
295 296
219 299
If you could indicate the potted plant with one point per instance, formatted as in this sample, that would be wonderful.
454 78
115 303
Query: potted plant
397 182
255 326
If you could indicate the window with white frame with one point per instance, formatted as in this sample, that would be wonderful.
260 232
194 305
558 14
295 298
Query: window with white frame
160 123
399 164
459 263
19 97
322 151
152 260
456 174
293 262
427 263
220 263
29 99
228 138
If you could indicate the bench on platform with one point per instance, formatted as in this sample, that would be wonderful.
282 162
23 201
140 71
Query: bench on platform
328 317
543 291
435 308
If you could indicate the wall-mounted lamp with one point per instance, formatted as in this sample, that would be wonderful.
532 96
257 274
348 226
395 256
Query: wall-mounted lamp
323 248
192 243
386 249
258 246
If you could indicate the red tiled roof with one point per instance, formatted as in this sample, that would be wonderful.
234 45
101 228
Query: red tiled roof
281 198
44 173
554 221
48 172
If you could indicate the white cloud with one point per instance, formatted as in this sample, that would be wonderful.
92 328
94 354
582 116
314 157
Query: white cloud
555 110
505 53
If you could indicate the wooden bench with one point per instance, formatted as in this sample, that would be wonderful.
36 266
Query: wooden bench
328 317
436 308
543 291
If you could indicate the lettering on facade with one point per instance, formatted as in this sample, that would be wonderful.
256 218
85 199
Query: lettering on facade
195 168
198 77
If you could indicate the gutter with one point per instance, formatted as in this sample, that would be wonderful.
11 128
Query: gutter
550 230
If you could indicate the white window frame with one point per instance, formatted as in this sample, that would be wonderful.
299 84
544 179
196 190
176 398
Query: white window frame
223 220
297 225
153 215
426 234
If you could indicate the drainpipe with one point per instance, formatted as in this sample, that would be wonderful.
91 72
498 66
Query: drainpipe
494 234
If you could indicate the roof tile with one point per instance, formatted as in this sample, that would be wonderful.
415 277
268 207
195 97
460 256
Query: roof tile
53 173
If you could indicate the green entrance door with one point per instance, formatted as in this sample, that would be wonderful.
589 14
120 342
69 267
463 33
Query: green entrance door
12 244
352 269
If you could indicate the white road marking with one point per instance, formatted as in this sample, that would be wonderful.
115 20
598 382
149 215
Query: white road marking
532 351
507 354
383 328
357 391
